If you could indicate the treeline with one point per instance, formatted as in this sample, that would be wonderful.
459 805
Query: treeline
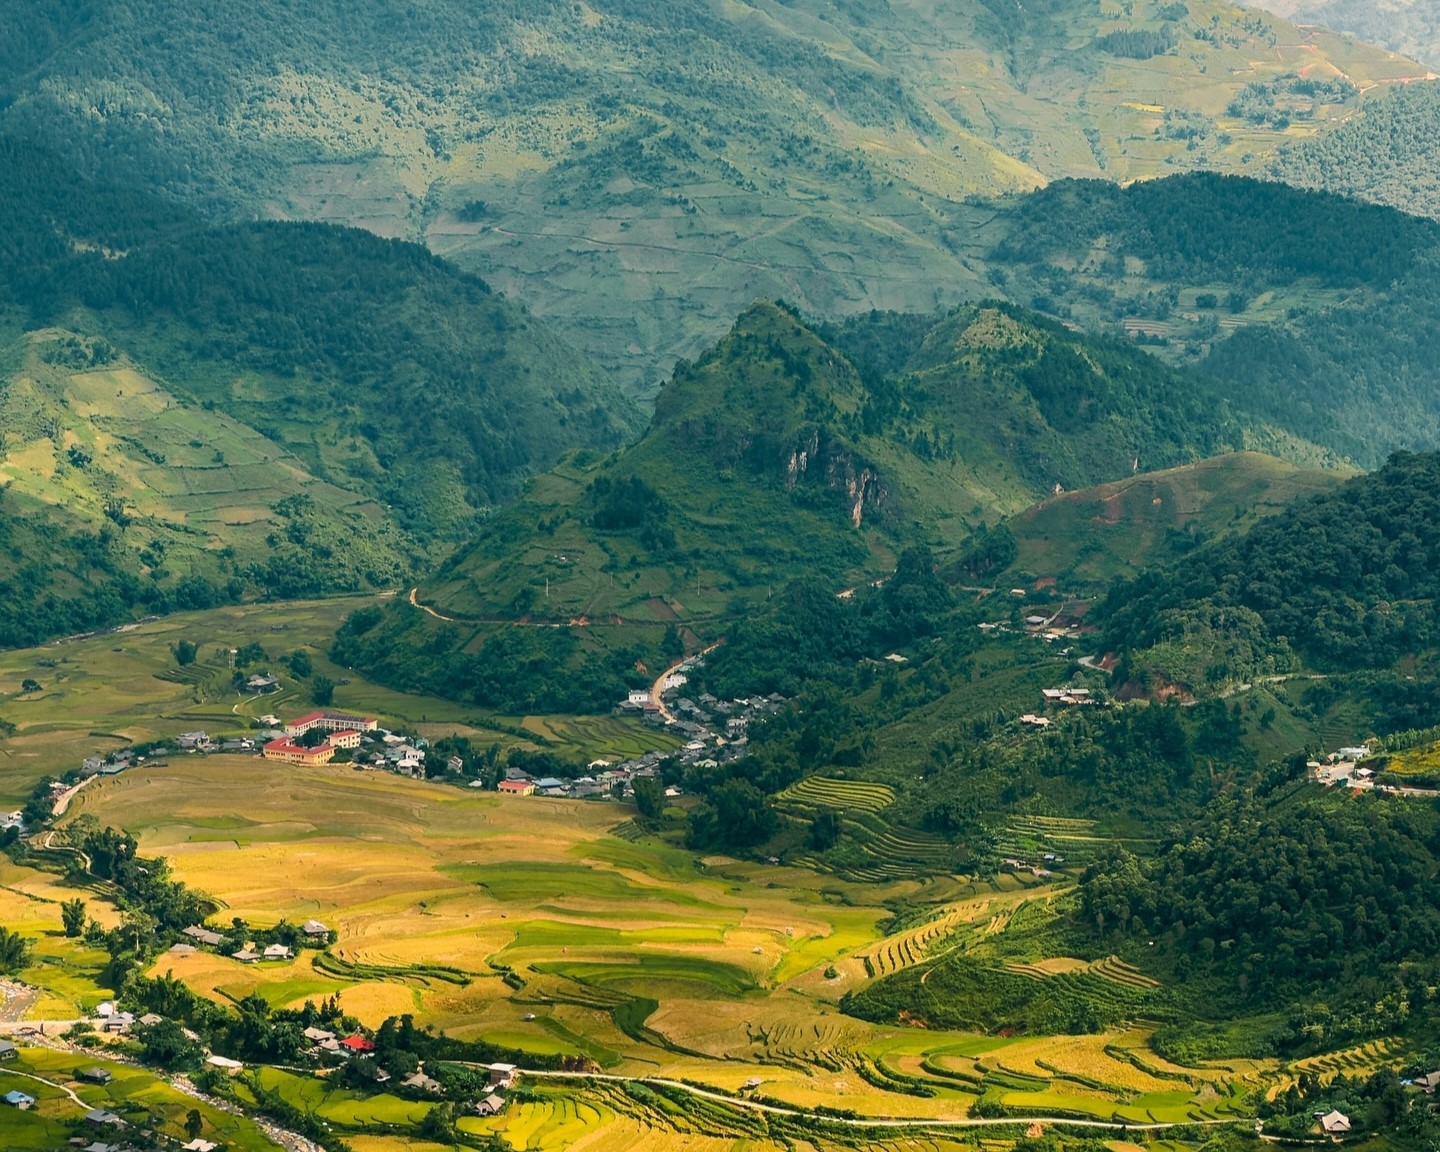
1343 580
1137 43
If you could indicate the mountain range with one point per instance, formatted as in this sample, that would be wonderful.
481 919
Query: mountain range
637 171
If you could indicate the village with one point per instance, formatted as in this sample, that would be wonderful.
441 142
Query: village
712 732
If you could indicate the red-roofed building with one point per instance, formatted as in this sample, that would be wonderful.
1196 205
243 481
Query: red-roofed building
288 753
357 1044
517 787
331 722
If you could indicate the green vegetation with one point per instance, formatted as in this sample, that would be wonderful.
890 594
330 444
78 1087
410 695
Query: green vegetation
212 415
1408 26
1387 155
1086 539
654 168
780 454
1340 581
1328 319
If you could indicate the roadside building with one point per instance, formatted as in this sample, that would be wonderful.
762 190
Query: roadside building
287 752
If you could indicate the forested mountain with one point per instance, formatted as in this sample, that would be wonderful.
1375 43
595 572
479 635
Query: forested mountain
289 409
1411 27
637 170
789 450
1341 581
1322 311
1388 155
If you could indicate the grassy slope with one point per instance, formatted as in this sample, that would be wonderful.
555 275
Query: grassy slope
1087 538
192 483
644 170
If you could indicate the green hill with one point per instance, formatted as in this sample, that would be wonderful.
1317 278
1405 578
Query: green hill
1320 312
638 171
264 408
775 456
1086 539
1388 155
1340 581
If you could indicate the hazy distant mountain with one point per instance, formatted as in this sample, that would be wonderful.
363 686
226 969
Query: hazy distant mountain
1411 27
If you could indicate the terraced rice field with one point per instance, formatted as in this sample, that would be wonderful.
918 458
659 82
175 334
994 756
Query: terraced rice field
842 795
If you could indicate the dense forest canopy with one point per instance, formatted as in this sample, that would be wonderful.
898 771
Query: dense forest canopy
1343 580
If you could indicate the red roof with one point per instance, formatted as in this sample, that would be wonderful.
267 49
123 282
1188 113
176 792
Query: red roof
358 1044
516 785
309 716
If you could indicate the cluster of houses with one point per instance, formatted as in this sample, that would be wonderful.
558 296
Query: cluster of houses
323 1043
198 936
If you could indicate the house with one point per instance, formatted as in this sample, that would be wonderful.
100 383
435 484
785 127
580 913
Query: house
315 930
203 936
199 1145
517 787
316 1035
118 1023
502 1075
94 1075
455 764
357 1044
287 752
278 952
150 1020
422 1083
490 1106
19 1100
224 1063
245 956
1429 1083
101 1116
1359 752
263 684
197 741
346 739
1035 721
638 697
751 1084
8 1051
97 1146
331 722
1335 1123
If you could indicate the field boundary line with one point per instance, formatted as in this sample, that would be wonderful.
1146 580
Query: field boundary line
866 1121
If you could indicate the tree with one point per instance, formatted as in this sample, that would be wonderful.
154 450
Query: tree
312 738
825 829
194 1124
300 663
72 915
322 691
185 652
650 798
28 685
165 1045
14 951
735 815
